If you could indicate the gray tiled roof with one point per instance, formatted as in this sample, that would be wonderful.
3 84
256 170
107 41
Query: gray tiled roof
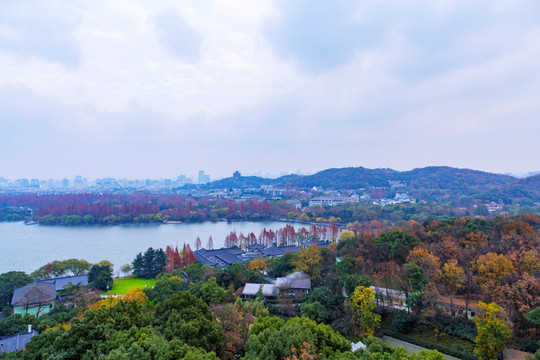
60 283
33 294
15 342
218 257
279 250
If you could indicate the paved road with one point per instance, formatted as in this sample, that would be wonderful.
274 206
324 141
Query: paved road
411 348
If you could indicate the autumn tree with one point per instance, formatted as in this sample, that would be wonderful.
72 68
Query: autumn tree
198 243
257 264
188 257
520 297
453 277
172 259
309 261
231 319
210 244
346 235
493 334
492 267
427 260
362 306
530 263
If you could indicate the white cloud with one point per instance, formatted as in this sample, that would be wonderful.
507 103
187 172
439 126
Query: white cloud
374 83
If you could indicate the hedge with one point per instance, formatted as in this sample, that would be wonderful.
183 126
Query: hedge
428 345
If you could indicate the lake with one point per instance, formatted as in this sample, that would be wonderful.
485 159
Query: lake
28 247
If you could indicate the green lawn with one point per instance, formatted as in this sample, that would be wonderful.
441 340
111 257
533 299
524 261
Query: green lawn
121 286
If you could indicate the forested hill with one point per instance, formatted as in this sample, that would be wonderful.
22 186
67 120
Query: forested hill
429 183
531 182
436 177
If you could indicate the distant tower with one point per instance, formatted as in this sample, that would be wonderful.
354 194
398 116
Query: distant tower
77 182
236 174
203 178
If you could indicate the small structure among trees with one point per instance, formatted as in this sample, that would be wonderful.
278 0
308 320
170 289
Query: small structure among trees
35 299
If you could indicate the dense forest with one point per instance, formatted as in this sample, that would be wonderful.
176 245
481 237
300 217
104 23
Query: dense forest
469 287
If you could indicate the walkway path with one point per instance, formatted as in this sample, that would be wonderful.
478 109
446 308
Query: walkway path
411 348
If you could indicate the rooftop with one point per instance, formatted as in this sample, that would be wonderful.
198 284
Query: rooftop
33 294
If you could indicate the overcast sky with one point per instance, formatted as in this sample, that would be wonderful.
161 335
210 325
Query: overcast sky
151 89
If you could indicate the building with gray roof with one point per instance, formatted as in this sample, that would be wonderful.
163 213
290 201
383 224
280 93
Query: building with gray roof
35 299
60 283
16 342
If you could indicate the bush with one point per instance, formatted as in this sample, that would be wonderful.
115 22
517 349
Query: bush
403 322
460 327
428 345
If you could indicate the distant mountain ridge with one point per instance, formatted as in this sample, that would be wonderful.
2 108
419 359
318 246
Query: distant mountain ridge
433 182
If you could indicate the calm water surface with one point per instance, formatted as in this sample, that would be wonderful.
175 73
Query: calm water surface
28 247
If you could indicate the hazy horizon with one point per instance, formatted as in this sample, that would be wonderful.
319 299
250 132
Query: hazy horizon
194 178
137 90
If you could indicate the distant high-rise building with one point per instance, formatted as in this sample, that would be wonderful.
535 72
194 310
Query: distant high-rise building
203 178
34 183
23 183
65 183
77 182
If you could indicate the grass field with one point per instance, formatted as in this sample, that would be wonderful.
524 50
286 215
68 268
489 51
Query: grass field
121 286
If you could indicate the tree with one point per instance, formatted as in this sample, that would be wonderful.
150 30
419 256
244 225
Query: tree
164 287
274 340
9 282
346 235
533 317
172 259
453 277
183 316
315 311
188 257
362 306
233 323
396 244
309 261
138 265
257 264
530 263
492 267
198 243
77 267
126 269
282 266
208 291
427 260
352 281
150 264
100 277
493 334
210 244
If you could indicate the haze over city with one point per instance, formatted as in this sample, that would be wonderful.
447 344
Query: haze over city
137 90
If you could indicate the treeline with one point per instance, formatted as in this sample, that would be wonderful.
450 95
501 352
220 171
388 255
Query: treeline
78 209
